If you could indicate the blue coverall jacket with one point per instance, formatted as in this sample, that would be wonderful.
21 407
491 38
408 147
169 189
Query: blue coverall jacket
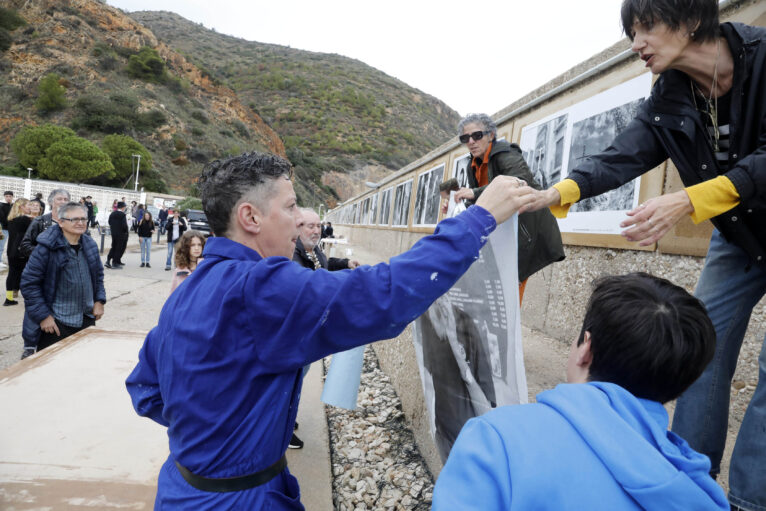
223 368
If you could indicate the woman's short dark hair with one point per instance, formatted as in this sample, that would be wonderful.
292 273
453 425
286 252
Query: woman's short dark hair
648 335
700 17
224 183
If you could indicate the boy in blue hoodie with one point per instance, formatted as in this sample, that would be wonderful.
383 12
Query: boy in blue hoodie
601 441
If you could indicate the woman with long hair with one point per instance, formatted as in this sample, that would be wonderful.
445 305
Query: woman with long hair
145 230
21 215
188 256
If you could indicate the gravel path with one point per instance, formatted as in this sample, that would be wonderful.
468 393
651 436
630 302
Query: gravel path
375 460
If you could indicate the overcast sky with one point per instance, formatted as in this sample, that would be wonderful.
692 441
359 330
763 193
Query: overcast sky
476 56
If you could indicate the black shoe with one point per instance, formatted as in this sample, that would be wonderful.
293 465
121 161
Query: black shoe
148 265
107 265
120 265
295 443
143 265
167 268
8 302
117 267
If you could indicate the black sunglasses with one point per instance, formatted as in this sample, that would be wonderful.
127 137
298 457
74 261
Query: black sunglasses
476 135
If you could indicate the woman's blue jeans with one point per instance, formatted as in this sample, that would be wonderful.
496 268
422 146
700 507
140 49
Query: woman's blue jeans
171 246
146 249
730 285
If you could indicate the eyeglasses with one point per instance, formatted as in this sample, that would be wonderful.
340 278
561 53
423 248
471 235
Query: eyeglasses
80 220
476 135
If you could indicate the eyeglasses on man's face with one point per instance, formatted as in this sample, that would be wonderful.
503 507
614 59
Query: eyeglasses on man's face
79 220
476 135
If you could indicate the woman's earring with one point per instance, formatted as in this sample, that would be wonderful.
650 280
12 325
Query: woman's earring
692 35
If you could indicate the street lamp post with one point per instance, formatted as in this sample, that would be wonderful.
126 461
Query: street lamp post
138 165
29 173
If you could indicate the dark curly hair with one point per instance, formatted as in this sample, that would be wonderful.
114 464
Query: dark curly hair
183 258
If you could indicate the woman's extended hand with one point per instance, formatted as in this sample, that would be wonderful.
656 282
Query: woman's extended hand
650 221
542 199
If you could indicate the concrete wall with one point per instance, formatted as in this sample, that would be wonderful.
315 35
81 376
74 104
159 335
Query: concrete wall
555 298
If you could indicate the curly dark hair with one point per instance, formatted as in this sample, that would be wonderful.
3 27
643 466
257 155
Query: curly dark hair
183 258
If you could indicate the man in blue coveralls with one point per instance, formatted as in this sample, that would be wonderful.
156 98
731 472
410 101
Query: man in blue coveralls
223 367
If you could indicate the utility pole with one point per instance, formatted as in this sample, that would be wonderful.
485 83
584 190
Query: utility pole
138 164
29 173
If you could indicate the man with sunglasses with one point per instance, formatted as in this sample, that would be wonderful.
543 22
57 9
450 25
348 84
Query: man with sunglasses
63 282
539 239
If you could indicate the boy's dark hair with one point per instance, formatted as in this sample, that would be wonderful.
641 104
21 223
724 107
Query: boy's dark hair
700 17
224 183
648 335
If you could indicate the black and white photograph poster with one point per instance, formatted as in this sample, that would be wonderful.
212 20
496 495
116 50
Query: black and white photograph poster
468 343
460 169
402 204
385 207
427 199
559 142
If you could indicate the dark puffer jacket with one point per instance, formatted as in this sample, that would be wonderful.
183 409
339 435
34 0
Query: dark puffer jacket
38 282
539 235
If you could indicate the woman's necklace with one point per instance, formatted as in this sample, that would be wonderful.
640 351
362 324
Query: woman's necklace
711 102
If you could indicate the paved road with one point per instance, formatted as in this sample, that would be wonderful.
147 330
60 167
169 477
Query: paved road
135 297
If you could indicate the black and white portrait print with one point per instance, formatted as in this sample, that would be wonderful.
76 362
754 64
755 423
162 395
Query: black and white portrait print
427 198
402 204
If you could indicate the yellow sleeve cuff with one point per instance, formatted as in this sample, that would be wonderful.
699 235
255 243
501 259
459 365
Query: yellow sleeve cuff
712 198
570 193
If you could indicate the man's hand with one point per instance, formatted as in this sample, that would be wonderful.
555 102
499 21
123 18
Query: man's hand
353 264
504 196
650 221
464 193
48 325
98 310
542 199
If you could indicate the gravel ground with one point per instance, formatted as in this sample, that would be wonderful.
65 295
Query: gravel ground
375 460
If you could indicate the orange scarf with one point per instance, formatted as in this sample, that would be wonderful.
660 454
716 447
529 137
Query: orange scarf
482 171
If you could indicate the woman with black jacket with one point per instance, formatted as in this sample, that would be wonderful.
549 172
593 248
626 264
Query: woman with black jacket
21 215
145 230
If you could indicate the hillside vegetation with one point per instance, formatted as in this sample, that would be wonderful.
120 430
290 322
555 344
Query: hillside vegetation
332 112
83 65
183 95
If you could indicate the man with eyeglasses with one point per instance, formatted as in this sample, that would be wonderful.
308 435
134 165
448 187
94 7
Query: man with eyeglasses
63 282
539 239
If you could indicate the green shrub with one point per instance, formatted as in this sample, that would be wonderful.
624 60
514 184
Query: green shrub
121 149
31 143
74 159
10 19
201 116
147 65
115 114
52 96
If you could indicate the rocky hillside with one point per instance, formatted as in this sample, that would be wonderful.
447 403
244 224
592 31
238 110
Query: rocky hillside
88 45
338 117
338 120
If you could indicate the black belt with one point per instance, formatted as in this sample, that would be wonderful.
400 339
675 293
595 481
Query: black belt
228 484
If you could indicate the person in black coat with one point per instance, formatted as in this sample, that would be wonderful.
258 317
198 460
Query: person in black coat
307 252
56 199
118 224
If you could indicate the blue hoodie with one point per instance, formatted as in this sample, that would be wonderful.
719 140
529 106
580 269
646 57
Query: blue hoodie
581 446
